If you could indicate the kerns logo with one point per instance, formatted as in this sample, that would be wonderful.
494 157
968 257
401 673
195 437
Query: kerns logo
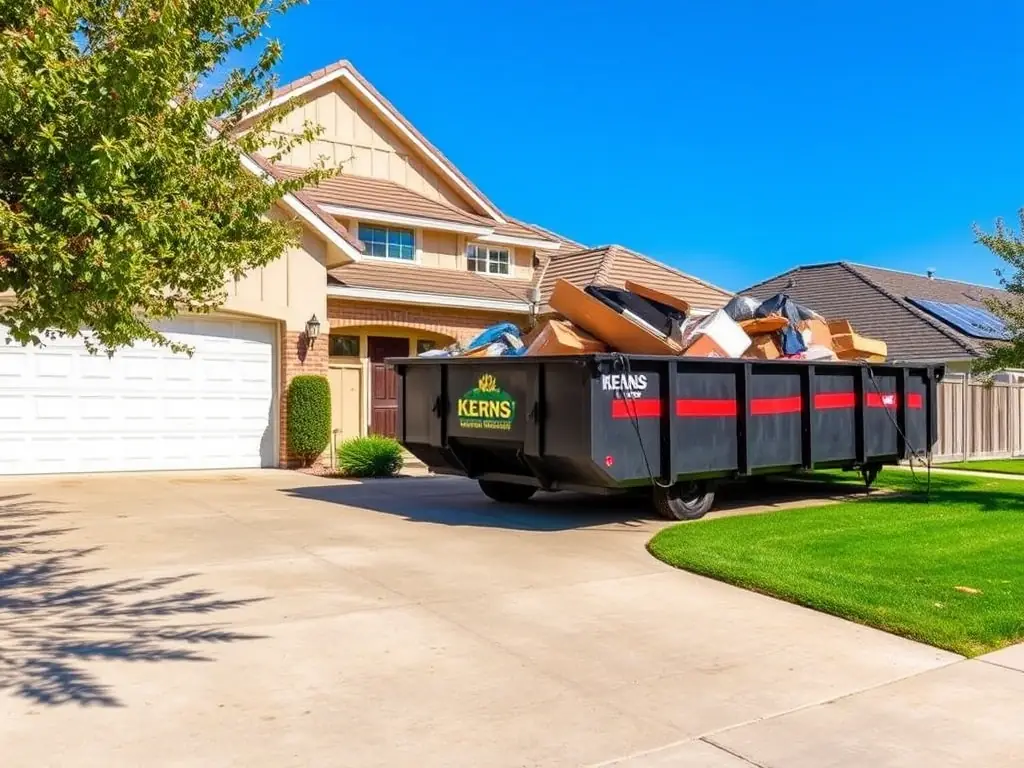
626 384
486 407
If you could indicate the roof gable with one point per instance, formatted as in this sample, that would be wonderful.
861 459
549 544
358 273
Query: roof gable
344 72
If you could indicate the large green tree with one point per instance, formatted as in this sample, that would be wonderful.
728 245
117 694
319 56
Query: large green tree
1008 245
122 199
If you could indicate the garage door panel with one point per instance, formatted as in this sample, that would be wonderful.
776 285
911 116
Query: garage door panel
64 410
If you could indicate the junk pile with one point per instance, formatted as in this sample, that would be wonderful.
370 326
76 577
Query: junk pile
641 320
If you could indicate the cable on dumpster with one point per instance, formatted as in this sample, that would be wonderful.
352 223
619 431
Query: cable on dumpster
622 365
924 458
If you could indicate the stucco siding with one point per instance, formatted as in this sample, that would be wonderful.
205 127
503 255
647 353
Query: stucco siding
289 289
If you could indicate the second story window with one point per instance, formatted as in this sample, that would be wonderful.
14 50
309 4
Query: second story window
388 242
490 261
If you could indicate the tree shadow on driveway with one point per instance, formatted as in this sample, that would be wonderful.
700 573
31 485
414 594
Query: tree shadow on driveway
456 501
56 613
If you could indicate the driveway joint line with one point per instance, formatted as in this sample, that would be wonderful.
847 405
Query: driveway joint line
711 742
997 664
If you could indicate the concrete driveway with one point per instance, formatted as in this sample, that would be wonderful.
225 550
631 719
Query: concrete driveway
274 619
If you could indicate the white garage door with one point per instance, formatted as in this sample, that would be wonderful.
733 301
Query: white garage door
64 410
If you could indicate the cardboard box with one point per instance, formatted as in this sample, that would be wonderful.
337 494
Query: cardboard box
604 323
716 335
816 332
764 347
557 337
839 327
852 346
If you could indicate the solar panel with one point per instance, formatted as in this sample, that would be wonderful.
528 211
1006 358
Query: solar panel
972 321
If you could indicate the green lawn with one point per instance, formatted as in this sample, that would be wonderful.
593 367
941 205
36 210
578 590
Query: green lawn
949 572
1006 466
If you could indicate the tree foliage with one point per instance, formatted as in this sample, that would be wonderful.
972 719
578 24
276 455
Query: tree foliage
122 198
1008 245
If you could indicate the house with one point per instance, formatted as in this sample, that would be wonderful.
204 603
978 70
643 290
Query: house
923 319
399 253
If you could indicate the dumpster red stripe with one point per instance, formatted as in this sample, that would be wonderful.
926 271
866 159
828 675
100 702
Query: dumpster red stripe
882 400
636 408
705 407
772 406
650 407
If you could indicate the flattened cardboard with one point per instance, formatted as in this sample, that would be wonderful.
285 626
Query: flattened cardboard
601 321
655 295
759 325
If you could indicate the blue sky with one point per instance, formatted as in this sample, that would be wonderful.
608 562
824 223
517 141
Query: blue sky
733 139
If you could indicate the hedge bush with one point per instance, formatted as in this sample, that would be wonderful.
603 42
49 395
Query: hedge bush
309 417
372 456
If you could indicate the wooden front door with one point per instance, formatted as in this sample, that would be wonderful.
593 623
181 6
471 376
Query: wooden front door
384 383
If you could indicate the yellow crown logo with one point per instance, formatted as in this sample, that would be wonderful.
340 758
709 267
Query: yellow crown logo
487 383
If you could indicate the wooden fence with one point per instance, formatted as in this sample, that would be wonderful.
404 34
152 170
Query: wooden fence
979 420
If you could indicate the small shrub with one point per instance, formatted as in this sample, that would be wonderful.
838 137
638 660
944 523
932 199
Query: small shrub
309 417
372 456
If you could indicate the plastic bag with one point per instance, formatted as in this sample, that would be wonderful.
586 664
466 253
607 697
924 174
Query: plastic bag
493 334
742 308
780 304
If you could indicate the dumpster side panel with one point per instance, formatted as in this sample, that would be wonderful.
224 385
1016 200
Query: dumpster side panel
419 419
626 422
774 427
834 415
917 405
705 419
489 401
881 436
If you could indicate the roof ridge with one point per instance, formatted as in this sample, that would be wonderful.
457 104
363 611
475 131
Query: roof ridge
860 265
669 267
940 327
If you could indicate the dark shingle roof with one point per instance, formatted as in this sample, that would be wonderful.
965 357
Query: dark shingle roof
874 300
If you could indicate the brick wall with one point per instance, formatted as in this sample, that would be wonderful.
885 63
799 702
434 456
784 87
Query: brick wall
461 325
297 358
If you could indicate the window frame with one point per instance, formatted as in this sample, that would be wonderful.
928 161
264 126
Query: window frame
358 341
509 250
386 228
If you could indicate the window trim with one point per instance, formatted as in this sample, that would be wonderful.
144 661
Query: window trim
359 346
416 242
511 259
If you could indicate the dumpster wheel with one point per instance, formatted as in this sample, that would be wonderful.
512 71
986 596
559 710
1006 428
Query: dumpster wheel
684 501
507 493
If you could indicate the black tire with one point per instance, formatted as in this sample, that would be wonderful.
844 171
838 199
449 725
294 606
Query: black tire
684 501
507 493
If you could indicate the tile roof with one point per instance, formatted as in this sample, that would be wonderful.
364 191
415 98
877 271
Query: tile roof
613 265
874 300
310 202
396 276
346 66
382 195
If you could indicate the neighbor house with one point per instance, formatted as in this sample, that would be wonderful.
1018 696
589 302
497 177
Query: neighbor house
923 319
399 253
